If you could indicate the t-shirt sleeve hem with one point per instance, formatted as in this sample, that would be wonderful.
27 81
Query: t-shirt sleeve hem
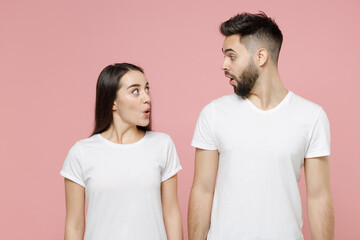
170 174
72 178
203 146
318 154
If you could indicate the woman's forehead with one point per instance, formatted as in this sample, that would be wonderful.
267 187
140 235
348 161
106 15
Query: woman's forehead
133 77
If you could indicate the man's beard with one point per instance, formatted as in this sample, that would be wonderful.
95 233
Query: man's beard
246 80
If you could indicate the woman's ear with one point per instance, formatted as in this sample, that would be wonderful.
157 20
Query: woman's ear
114 108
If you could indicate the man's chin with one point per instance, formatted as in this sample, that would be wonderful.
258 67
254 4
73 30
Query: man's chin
232 82
241 93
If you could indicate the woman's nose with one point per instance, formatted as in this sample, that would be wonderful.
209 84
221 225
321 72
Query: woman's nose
146 97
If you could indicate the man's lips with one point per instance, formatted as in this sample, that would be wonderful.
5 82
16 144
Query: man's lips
232 78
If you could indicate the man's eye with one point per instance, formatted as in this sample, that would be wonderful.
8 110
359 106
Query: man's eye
135 91
232 57
147 89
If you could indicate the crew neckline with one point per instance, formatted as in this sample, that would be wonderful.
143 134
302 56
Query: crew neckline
274 109
120 145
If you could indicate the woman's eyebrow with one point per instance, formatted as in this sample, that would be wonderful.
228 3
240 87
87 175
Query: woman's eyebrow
134 85
137 85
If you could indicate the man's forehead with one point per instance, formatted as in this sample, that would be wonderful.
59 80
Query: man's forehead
233 38
232 44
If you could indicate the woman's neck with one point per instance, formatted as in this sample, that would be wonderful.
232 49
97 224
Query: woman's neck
123 134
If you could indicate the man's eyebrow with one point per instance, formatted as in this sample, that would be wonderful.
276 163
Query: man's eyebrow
227 50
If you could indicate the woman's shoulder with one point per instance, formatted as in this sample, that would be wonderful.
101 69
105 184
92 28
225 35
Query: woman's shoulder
85 142
158 136
92 139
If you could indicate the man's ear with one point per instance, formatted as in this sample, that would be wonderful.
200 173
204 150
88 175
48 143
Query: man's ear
261 57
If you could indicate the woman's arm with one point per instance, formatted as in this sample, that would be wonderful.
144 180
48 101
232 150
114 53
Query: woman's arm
171 209
75 211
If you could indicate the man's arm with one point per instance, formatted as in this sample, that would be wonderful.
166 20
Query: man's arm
202 193
319 201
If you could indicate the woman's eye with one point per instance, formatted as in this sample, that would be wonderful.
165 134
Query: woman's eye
147 89
135 91
232 57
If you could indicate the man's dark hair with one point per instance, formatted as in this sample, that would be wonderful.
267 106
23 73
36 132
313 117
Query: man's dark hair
255 28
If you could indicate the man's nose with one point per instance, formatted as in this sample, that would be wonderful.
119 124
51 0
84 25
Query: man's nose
225 66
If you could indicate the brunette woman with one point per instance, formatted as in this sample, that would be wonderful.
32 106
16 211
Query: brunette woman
126 173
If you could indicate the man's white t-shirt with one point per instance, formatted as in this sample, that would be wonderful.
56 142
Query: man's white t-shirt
122 184
260 157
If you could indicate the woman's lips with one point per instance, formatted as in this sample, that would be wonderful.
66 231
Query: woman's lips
147 112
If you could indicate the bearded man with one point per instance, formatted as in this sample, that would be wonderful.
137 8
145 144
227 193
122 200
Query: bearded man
251 146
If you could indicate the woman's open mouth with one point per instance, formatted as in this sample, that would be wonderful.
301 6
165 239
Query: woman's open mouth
147 112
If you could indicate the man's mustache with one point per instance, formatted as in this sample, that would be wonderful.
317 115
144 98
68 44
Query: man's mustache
227 74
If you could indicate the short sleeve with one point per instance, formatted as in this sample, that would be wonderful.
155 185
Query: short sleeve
319 144
172 163
72 166
203 136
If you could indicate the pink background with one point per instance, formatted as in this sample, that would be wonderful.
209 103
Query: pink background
51 53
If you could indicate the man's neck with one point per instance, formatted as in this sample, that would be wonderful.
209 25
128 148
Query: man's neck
268 91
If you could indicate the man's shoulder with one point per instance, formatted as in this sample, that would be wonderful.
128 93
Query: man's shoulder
227 98
304 104
223 101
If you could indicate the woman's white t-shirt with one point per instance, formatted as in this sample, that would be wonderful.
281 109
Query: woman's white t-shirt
122 184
